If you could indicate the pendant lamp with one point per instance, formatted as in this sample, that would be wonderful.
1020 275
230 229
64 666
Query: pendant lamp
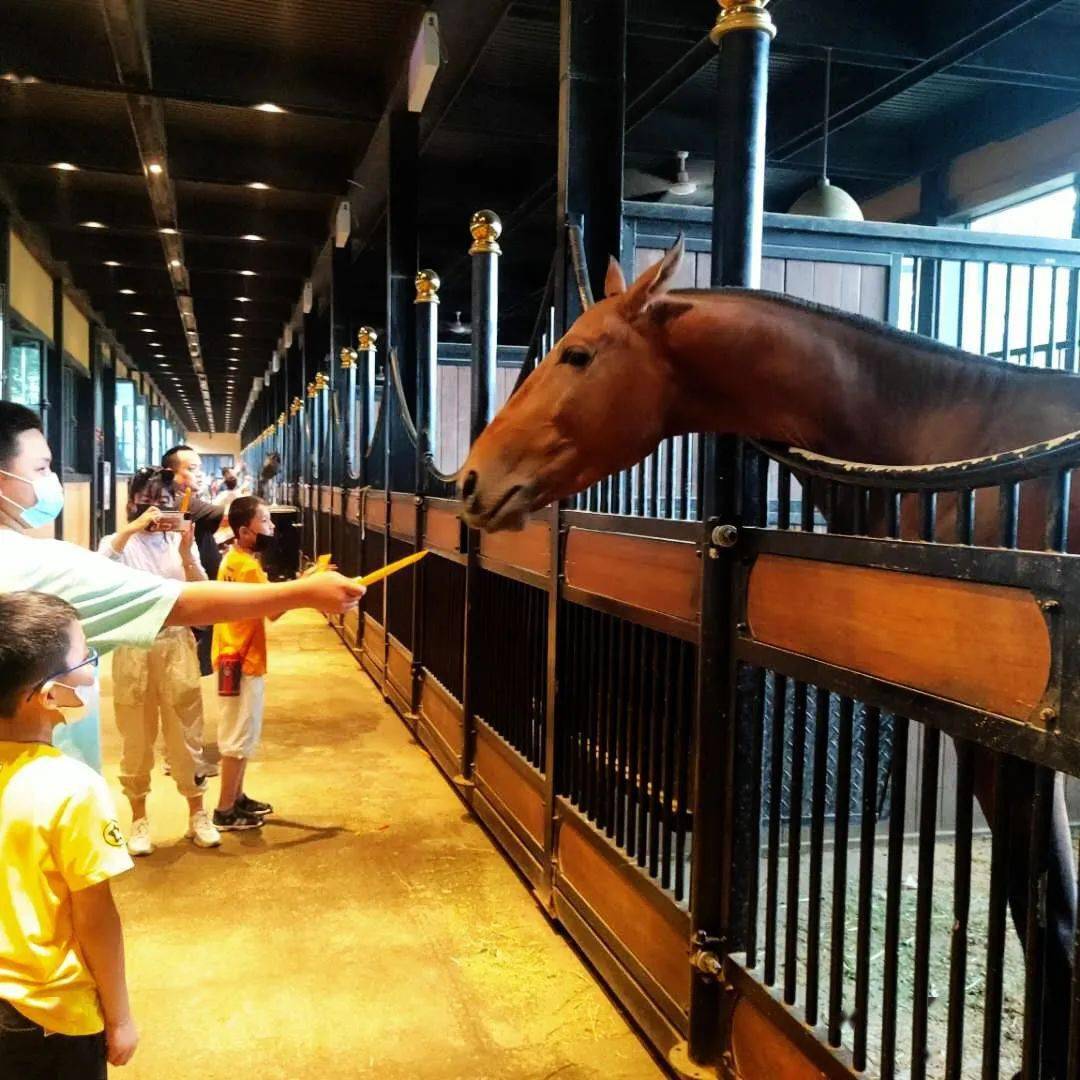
825 199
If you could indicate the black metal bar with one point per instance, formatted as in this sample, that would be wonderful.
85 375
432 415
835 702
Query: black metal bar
668 777
892 513
633 744
795 799
983 307
752 713
864 926
1051 334
1036 931
931 752
806 507
645 744
822 723
1030 315
965 517
656 760
1008 311
783 502
997 911
965 780
1057 510
621 732
680 794
840 856
893 891
776 785
928 508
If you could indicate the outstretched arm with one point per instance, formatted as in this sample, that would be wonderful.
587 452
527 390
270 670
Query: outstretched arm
201 603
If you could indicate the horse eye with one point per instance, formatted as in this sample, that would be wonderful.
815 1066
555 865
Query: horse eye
578 358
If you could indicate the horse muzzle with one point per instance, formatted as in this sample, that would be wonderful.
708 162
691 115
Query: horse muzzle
493 507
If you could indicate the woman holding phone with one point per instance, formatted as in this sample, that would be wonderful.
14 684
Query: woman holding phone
159 688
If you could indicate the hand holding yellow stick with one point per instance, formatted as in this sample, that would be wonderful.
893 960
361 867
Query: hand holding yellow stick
393 568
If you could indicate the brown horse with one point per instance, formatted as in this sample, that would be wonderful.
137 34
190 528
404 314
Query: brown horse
648 362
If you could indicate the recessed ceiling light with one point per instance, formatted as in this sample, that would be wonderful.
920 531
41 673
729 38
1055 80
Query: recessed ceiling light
138 313
167 232
253 237
159 356
92 225
64 166
154 344
247 273
236 335
238 318
268 106
127 292
258 185
155 167
146 330
243 299
175 263
111 262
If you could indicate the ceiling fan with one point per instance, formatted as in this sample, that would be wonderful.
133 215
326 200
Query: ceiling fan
686 183
457 326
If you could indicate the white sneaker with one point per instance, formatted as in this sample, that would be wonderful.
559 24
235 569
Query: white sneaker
201 830
139 843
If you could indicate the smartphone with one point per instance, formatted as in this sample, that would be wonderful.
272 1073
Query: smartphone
168 521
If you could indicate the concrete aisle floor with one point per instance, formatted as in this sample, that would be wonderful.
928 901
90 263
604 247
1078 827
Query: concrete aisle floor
371 930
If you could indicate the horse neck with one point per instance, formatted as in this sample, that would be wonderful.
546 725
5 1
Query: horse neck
752 365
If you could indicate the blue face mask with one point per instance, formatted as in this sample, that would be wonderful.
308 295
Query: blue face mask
48 499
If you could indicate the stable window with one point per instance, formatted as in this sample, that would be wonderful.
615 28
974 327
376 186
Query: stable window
78 404
142 441
125 426
1052 215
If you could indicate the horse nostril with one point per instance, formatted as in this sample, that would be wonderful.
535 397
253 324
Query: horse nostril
468 485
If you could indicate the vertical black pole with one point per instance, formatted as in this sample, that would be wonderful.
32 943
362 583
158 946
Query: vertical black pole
52 400
427 360
366 340
106 376
724 846
5 287
486 228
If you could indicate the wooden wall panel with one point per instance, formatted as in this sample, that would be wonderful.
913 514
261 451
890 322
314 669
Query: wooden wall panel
399 662
30 289
657 575
373 638
76 335
529 549
77 512
655 937
984 645
352 506
524 800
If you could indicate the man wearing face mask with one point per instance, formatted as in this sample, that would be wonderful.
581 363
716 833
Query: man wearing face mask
64 1004
116 604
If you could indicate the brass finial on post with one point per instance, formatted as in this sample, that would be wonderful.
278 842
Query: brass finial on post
322 381
427 287
281 420
348 357
486 228
366 338
295 406
742 15
311 389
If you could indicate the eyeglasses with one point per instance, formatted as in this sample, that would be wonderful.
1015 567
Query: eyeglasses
91 658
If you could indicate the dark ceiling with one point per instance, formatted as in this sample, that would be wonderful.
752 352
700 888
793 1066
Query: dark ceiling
75 71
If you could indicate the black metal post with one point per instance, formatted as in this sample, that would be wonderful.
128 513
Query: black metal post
486 228
106 380
725 841
427 372
52 396
5 287
366 344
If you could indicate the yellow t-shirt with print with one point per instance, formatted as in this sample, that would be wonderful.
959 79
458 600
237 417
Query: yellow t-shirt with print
58 835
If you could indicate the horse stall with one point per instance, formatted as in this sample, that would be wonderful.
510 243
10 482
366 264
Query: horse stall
870 922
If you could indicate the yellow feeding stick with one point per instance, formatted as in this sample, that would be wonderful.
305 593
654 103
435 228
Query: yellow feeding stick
393 568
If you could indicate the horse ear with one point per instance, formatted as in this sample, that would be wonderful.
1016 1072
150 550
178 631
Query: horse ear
614 283
652 283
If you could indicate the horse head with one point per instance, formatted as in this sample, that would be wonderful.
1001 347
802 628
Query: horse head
598 402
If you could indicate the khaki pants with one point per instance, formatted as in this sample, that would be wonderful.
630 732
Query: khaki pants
152 688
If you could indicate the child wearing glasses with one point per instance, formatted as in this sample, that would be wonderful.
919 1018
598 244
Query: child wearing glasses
159 688
64 1005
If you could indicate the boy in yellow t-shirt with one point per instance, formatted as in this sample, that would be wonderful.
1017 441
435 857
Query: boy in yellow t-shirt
240 723
63 994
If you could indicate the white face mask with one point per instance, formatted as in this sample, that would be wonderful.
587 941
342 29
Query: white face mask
48 499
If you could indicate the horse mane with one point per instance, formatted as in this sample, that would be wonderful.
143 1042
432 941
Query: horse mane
882 332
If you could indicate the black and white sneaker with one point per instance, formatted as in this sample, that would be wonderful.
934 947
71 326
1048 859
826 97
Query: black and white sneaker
235 820
253 806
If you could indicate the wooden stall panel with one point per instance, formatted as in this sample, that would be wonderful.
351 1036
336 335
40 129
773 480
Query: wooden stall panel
326 500
652 935
657 575
399 663
987 646
403 511
441 711
523 799
760 1049
529 549
352 506
373 639
375 510
442 529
